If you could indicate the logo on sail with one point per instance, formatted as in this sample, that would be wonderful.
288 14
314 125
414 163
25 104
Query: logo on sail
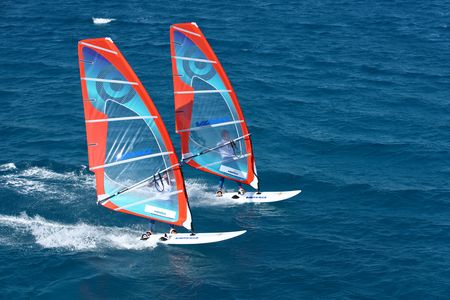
212 121
133 154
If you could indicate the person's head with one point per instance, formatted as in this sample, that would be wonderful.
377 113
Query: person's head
225 134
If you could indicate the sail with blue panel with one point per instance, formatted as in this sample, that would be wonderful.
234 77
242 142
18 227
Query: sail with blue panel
136 168
209 120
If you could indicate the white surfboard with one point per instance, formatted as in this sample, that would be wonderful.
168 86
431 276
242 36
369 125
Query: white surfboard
262 197
198 238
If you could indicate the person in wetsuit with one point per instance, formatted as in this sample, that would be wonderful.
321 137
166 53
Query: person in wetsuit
227 151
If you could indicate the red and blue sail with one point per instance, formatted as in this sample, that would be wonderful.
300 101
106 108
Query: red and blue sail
136 168
209 120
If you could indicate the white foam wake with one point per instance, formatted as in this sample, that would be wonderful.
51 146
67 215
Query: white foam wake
101 21
75 237
202 195
39 180
197 190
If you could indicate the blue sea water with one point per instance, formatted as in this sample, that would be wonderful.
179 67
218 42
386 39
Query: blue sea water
347 100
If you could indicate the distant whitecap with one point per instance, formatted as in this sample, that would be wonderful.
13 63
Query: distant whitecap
100 21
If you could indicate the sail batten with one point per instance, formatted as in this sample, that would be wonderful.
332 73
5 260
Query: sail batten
195 59
121 119
99 48
208 113
130 160
108 80
209 126
203 92
184 30
136 168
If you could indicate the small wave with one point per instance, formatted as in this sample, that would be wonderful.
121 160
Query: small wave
101 21
41 180
75 237
7 167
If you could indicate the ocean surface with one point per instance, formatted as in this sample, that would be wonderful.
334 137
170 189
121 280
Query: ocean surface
346 100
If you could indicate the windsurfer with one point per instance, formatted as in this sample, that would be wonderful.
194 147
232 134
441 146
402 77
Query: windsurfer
227 151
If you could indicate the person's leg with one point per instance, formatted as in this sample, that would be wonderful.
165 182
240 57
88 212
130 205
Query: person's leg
151 226
149 232
219 191
241 191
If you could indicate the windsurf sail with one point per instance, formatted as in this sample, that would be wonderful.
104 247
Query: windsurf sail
209 120
136 168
